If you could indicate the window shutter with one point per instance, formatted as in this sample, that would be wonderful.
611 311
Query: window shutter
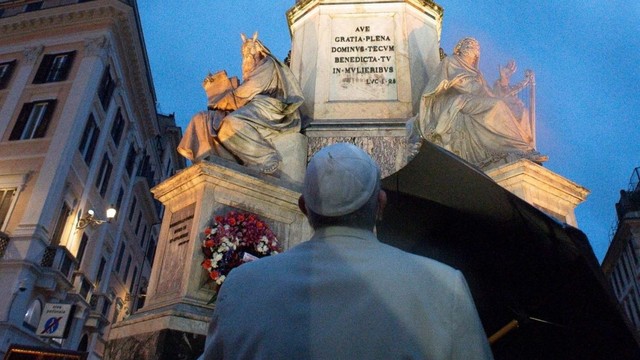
44 124
4 80
43 70
21 122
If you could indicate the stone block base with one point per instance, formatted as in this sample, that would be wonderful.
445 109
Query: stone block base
165 344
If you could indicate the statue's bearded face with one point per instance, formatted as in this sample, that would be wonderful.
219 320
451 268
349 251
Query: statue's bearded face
250 58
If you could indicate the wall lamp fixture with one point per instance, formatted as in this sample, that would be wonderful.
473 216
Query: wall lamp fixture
90 218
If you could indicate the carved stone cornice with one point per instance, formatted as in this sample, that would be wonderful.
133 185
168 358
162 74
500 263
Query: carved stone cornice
46 19
303 6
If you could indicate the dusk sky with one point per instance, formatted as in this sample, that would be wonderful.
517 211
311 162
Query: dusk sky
585 53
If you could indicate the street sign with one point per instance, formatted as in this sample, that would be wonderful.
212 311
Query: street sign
53 321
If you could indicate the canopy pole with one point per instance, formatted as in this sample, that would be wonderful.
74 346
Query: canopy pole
513 324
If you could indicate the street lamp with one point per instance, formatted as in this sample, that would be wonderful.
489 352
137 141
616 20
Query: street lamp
90 219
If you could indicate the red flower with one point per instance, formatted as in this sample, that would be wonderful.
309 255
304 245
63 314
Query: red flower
206 264
214 275
240 217
209 243
232 221
219 219
207 230
259 225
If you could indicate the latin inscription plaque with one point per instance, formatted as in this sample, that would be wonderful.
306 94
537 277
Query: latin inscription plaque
363 58
175 254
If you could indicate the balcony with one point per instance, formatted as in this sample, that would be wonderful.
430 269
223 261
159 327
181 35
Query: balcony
4 243
58 266
99 305
82 286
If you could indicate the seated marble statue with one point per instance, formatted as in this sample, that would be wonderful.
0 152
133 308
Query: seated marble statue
242 121
460 113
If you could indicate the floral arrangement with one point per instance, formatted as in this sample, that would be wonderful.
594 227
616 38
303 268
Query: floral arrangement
235 239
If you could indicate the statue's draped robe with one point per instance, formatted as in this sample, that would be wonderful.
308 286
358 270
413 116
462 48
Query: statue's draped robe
461 114
265 105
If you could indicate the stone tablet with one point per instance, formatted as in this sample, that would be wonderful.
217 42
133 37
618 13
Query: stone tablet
363 58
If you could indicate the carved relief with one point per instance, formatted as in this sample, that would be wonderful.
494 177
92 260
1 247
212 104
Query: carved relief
31 54
98 46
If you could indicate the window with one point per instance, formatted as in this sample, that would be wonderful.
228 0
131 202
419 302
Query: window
105 91
33 6
151 251
102 181
32 316
133 279
132 208
138 222
33 120
119 201
117 128
103 263
65 211
120 256
105 306
54 68
6 200
126 269
131 160
142 238
89 140
82 248
6 69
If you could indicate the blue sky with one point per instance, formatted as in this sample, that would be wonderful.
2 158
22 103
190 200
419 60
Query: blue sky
585 53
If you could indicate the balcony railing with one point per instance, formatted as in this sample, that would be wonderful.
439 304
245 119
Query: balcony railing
4 243
60 259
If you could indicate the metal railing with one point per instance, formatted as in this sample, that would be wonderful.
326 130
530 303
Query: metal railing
4 243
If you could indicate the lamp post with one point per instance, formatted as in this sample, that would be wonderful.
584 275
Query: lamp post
91 219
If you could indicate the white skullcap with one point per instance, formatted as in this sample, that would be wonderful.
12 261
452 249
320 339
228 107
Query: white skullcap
340 178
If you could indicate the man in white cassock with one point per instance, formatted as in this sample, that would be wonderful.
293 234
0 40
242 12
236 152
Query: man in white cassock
343 294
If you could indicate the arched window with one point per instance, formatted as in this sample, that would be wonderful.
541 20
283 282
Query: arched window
32 316
84 343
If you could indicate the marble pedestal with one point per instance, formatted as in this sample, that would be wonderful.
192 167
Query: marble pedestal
176 315
542 188
362 66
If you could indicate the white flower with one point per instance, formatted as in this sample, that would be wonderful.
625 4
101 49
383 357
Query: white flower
220 280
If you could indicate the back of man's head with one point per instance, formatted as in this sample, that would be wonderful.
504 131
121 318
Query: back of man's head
341 187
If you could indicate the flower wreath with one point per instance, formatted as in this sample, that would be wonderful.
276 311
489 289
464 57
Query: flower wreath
235 239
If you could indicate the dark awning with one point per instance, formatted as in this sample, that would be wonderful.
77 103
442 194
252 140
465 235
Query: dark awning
520 263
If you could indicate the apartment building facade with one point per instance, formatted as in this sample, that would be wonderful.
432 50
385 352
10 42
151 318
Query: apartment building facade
621 264
79 133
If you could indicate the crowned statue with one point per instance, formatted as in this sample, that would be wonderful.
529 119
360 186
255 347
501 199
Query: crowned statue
243 120
461 113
